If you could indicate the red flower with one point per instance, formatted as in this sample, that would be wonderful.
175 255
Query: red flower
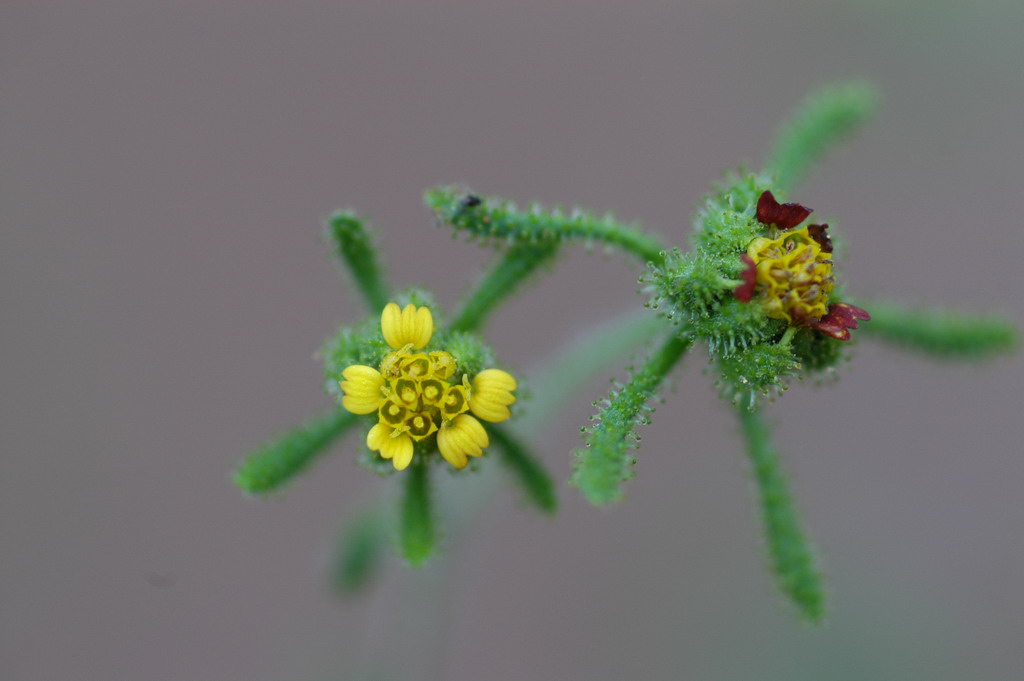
745 291
780 215
840 319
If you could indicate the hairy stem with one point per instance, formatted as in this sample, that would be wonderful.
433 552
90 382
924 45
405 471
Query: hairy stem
823 120
504 276
417 533
607 460
355 248
793 561
495 218
360 552
281 459
941 333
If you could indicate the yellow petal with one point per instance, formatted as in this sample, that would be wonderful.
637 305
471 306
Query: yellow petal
360 372
378 437
495 379
401 327
391 325
361 405
399 450
462 438
449 449
418 325
492 393
361 389
475 432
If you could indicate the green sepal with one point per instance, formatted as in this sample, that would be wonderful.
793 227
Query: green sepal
760 370
361 343
817 352
726 224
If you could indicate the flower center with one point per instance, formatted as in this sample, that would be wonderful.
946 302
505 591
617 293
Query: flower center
419 398
794 276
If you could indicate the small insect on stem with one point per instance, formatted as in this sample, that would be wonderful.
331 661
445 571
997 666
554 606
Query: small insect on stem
470 201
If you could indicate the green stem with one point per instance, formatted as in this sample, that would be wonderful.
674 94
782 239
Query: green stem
793 561
354 246
607 460
507 273
360 552
495 218
417 533
278 461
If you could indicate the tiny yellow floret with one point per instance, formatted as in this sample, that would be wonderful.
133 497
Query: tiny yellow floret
411 325
417 395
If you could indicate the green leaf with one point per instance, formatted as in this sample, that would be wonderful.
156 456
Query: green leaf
534 479
793 561
281 459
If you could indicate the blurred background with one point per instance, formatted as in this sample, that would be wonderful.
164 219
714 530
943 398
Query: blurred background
165 171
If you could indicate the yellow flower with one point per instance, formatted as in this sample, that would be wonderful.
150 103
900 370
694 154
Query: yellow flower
491 395
462 437
794 275
411 325
422 395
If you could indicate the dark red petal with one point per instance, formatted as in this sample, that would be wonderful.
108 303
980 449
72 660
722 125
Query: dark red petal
840 314
858 312
819 234
745 291
834 330
781 215
840 319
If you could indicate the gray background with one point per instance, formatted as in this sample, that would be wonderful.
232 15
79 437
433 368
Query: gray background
165 169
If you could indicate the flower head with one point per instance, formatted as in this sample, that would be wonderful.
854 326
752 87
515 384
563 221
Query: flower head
793 275
421 396
789 271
